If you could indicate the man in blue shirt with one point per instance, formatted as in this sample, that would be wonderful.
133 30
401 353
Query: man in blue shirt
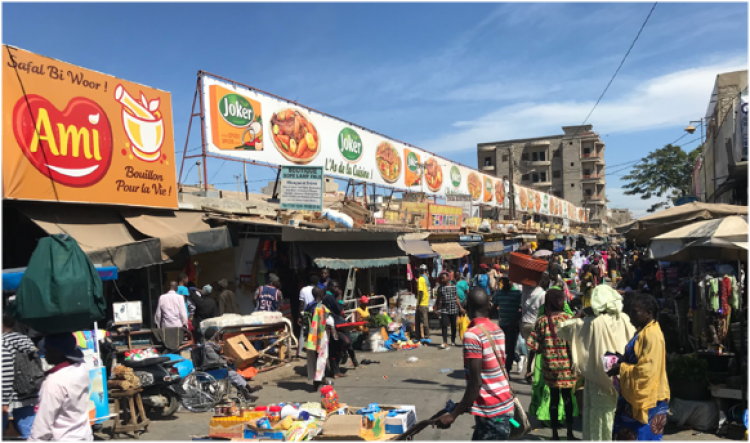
324 279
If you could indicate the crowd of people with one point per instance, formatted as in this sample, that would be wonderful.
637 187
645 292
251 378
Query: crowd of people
587 354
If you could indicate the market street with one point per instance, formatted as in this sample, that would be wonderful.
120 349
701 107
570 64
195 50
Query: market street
421 384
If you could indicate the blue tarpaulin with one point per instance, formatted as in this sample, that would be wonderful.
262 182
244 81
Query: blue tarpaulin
11 280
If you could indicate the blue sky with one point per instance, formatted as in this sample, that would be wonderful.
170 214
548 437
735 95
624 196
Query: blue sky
443 77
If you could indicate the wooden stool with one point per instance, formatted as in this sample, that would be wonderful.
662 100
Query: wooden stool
137 423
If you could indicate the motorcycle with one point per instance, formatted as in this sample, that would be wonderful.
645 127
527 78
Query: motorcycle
159 378
160 381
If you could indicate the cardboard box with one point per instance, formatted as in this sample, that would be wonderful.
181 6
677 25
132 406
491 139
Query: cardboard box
240 348
226 430
401 422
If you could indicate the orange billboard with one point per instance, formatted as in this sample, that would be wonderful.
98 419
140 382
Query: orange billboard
75 135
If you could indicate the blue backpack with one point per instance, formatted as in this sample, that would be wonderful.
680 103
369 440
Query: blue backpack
481 281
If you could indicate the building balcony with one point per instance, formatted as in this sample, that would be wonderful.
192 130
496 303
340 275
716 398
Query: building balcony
592 178
544 184
536 163
537 144
488 168
594 199
595 157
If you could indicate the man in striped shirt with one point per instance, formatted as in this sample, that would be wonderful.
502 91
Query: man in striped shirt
22 410
487 394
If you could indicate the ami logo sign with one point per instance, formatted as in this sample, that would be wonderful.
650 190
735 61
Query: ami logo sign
73 147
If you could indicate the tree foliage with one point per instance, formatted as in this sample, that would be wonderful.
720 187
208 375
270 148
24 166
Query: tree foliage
665 173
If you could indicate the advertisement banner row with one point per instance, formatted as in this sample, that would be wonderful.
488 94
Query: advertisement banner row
75 135
251 125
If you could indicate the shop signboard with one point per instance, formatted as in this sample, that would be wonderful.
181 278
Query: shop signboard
494 249
302 188
461 200
75 135
470 240
252 125
444 218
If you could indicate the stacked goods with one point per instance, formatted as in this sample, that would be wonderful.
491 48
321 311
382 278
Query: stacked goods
526 269
123 379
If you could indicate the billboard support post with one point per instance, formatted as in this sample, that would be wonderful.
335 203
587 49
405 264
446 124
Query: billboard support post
193 114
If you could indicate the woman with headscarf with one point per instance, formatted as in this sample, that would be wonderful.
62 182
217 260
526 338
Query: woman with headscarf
644 390
555 354
317 339
577 260
607 329
588 283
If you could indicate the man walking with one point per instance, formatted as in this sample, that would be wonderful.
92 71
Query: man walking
448 307
21 409
507 299
268 297
227 300
63 412
487 396
171 311
305 298
423 304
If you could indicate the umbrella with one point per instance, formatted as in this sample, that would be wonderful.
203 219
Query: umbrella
710 249
646 228
730 229
542 253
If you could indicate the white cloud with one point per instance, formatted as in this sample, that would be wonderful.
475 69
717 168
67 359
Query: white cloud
663 101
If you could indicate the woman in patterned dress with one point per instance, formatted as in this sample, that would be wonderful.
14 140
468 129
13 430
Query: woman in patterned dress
556 358
644 390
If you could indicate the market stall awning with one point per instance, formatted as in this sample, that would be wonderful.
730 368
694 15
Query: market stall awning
346 255
498 248
416 245
646 228
449 251
100 232
710 249
730 230
12 277
177 229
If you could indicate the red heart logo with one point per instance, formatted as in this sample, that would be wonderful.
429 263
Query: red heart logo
72 147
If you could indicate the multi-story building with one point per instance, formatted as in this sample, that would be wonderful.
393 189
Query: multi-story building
617 217
720 174
570 166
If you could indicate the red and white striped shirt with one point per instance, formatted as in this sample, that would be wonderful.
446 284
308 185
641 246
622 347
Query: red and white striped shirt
494 395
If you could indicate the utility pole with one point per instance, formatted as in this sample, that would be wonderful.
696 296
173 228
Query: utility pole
512 163
200 182
238 183
247 192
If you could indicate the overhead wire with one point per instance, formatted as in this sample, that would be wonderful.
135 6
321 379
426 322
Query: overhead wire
606 88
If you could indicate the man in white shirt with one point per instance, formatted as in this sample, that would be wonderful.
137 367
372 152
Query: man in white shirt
532 298
171 312
305 298
63 400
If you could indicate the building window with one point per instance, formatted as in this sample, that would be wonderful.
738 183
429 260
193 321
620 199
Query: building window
535 178
587 172
557 153
505 158
588 192
572 164
586 151
535 156
542 156
488 161
572 185
556 174
525 177
525 156
543 177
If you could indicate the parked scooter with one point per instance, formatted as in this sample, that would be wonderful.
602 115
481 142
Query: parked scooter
159 378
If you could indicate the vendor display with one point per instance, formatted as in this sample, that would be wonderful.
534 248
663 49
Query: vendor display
327 420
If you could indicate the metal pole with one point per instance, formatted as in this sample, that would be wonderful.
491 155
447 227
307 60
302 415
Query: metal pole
200 183
247 192
512 163
238 183
276 184
187 139
203 130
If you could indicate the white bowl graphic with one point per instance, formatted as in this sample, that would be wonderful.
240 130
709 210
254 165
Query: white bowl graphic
146 136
